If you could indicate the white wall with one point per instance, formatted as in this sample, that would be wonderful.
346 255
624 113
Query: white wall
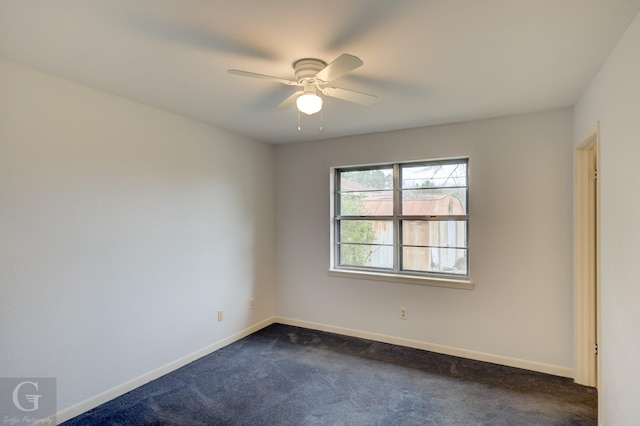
123 229
613 98
520 240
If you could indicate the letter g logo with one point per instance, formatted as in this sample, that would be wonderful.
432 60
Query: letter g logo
33 399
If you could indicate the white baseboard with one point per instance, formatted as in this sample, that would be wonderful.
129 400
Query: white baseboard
115 392
88 404
447 350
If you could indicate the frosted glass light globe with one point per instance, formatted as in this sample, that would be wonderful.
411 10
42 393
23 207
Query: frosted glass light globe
309 103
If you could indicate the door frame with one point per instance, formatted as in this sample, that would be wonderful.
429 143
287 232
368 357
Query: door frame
586 259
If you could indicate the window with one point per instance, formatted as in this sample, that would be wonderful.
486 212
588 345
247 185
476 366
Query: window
407 219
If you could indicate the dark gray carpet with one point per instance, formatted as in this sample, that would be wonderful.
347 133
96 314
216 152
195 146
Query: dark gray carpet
285 375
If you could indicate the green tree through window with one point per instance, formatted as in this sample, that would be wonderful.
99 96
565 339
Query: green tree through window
359 231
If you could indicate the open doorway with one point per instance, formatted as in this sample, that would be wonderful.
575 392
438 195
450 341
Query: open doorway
586 285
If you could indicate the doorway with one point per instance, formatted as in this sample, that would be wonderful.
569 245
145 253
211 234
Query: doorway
586 286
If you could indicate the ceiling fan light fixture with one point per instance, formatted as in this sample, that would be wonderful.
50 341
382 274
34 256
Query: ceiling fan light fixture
309 103
312 76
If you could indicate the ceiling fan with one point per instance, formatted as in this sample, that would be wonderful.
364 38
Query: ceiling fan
313 76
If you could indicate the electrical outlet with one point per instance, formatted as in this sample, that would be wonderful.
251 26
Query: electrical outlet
404 313
252 304
220 315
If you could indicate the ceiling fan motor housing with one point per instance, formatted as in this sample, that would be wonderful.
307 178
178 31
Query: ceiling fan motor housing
306 69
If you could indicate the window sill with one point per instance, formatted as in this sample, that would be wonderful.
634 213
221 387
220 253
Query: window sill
464 284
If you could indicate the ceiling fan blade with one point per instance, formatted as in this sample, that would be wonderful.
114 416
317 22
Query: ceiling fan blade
350 95
290 100
340 66
262 76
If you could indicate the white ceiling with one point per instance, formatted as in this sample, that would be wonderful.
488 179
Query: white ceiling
428 61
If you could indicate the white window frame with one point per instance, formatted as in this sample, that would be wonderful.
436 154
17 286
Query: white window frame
395 275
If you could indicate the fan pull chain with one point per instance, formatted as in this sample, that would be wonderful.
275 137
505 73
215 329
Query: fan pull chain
300 122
